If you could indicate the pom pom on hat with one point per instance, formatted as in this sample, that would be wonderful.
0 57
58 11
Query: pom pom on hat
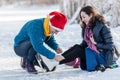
57 20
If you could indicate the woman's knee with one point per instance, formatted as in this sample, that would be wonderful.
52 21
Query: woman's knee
76 45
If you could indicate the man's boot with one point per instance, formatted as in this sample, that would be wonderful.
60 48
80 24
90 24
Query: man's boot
23 63
31 69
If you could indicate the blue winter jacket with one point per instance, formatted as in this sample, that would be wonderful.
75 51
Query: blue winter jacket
34 31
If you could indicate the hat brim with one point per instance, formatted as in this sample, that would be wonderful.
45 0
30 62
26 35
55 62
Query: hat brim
58 29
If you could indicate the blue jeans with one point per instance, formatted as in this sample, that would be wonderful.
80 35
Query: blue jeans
25 49
93 59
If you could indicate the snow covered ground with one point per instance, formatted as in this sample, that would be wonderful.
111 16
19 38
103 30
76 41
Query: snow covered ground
12 19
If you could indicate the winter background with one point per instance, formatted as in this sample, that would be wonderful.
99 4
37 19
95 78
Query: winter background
11 20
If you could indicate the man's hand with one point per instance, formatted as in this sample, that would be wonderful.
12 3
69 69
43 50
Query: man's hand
58 50
59 58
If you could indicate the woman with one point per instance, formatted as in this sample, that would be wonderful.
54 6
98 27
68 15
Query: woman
97 47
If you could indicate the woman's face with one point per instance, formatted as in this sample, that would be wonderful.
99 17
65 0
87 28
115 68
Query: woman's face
85 18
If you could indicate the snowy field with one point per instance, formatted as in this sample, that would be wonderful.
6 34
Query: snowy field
12 19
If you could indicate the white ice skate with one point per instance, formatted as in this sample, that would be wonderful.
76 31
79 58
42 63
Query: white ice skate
46 64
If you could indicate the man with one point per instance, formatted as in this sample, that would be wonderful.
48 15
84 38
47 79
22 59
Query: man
29 41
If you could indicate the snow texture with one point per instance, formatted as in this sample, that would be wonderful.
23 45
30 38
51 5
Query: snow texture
11 20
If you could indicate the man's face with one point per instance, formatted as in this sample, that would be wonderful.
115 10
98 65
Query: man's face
53 31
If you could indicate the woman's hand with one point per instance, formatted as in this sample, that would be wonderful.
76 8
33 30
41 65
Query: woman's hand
92 40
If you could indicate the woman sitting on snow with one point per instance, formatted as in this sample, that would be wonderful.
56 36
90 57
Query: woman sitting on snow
97 48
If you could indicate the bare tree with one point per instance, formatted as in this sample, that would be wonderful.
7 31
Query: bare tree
110 9
5 2
115 13
27 2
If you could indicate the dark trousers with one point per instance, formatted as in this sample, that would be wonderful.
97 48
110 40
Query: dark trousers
75 52
26 50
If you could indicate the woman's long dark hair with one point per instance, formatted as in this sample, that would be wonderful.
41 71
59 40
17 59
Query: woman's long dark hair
95 16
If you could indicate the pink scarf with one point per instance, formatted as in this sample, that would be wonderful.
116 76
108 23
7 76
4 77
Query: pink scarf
88 33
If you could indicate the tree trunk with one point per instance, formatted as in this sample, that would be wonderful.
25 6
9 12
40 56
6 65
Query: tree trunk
70 8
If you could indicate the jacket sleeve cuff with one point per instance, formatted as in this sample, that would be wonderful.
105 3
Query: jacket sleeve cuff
51 56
